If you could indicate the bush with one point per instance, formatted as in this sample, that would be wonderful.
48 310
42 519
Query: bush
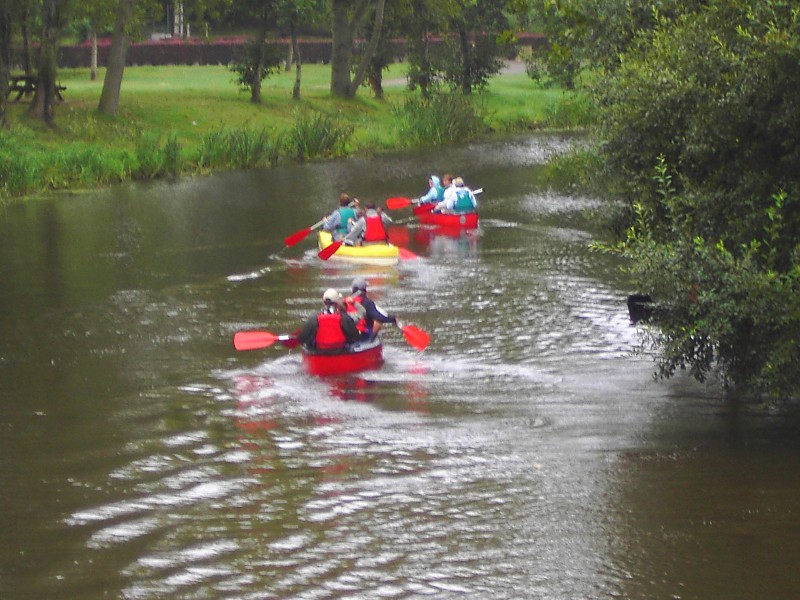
239 149
439 119
316 135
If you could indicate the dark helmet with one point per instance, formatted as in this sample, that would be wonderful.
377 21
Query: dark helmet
359 283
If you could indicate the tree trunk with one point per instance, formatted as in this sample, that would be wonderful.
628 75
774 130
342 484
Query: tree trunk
342 29
27 61
298 61
289 57
109 98
370 51
466 59
255 91
5 59
44 101
93 67
341 49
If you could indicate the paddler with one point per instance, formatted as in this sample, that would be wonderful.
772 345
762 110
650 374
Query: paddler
330 329
370 318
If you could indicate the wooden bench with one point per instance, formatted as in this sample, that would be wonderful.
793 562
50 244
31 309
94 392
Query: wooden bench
25 85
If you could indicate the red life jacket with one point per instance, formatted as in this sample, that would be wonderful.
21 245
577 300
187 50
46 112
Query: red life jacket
329 333
375 231
352 309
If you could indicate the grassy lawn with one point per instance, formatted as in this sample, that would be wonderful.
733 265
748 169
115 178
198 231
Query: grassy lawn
188 103
192 101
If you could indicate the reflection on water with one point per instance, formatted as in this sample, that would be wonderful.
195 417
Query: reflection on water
525 454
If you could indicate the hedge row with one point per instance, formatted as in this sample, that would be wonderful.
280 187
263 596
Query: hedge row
219 52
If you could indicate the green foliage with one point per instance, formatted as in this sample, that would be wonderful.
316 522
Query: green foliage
316 135
439 119
595 34
711 101
572 111
239 149
21 172
85 165
155 160
246 61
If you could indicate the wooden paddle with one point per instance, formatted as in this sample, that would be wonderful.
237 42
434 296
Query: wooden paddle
253 340
399 202
299 235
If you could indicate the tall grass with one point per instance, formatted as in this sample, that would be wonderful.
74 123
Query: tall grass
572 111
315 135
20 171
85 165
239 149
439 119
155 160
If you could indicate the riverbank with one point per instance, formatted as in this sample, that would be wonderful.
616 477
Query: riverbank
174 120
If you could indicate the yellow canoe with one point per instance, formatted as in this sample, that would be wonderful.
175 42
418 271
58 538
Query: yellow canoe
371 254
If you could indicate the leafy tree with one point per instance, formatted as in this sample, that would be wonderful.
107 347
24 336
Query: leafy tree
257 60
595 33
710 100
475 33
291 15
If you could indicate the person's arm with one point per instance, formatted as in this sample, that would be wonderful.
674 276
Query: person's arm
332 221
348 327
429 197
375 313
358 228
308 333
386 219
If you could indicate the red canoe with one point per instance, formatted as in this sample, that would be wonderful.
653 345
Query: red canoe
361 356
450 221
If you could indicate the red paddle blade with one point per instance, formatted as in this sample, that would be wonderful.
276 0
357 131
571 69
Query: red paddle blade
297 236
416 337
329 251
406 254
252 340
396 203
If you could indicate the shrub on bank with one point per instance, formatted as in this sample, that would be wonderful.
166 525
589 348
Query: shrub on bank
239 149
440 119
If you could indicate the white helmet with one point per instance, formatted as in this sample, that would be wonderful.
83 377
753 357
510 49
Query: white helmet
331 296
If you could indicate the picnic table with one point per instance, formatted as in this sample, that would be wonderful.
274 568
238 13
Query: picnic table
26 85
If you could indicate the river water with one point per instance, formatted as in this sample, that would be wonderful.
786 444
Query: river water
527 453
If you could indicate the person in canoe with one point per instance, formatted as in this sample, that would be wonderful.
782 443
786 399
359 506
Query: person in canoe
368 316
457 199
341 220
370 228
435 191
330 329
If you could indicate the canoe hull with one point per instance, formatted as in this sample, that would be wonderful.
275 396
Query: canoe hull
373 254
362 356
448 221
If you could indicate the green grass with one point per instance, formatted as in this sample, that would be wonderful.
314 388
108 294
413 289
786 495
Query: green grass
181 113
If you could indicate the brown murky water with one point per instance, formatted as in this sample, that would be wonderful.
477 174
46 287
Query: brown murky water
526 454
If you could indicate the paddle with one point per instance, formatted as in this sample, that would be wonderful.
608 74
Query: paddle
399 202
406 254
330 250
299 235
416 337
253 340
